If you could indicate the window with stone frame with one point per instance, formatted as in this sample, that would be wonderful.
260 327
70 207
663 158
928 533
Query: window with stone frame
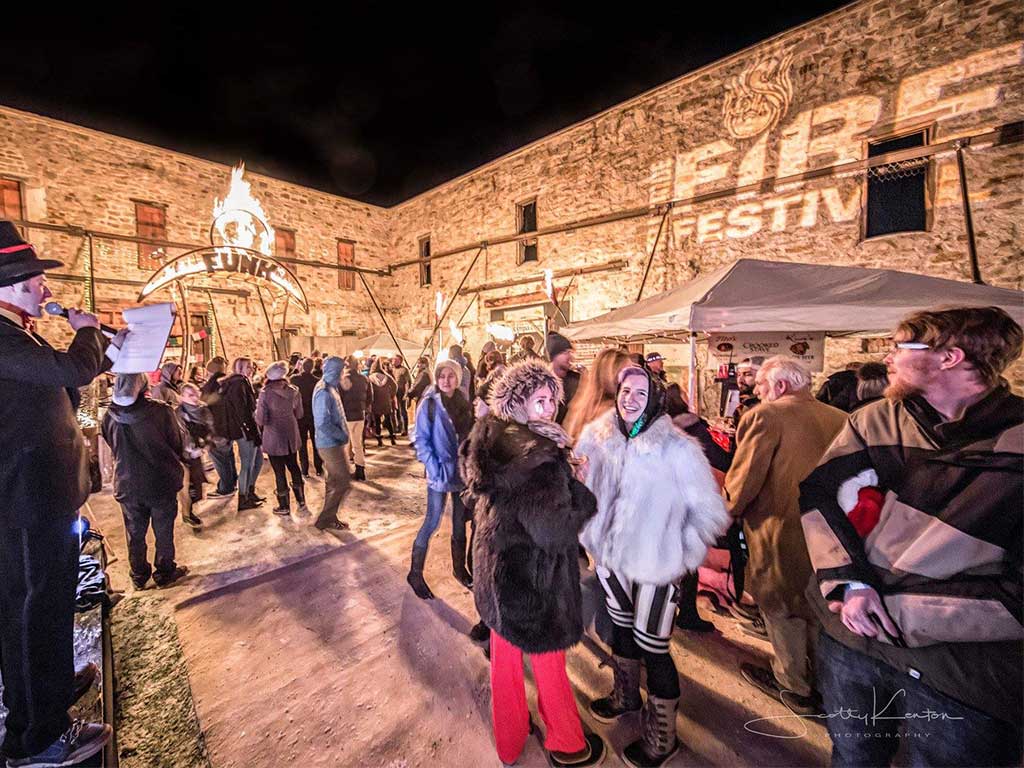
284 242
526 221
346 258
424 251
150 221
896 194
10 200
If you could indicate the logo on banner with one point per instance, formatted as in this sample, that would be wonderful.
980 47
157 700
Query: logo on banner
808 348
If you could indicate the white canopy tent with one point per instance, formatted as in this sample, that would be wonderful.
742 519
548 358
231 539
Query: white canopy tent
381 344
751 295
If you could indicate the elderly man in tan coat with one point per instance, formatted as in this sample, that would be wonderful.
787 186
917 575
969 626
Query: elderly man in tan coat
779 442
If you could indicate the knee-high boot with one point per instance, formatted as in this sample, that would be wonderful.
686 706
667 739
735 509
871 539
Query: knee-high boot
300 497
625 696
459 563
415 577
658 742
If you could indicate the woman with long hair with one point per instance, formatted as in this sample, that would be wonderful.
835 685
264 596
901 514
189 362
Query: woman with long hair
596 394
658 510
531 506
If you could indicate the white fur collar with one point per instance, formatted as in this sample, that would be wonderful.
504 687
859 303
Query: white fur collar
659 507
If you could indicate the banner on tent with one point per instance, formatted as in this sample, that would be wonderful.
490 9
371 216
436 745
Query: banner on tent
809 348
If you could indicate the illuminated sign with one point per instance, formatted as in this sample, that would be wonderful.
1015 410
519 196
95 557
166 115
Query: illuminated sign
228 260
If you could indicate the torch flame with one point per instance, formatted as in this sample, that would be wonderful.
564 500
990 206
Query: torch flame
237 214
456 333
549 287
438 303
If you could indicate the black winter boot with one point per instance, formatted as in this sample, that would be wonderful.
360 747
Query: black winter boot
415 577
247 502
688 617
658 742
300 498
625 696
459 563
360 473
283 508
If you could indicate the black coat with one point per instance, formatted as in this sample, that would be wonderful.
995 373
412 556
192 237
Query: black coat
211 396
529 511
44 463
239 402
146 440
305 383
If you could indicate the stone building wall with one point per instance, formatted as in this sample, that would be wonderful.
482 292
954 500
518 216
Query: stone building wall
861 73
806 99
76 176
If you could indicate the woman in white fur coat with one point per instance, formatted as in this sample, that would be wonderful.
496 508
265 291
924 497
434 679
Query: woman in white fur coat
659 509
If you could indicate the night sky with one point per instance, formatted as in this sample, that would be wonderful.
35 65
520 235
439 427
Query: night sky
376 105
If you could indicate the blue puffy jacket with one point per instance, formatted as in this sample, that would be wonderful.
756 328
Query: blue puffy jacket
437 444
328 411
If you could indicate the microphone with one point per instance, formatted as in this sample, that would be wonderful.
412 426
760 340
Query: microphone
54 308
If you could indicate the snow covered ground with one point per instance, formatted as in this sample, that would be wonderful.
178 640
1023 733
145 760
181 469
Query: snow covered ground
308 649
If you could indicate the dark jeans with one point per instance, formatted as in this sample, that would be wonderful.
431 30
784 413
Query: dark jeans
196 478
281 464
138 516
435 509
898 711
38 573
307 431
388 422
402 414
224 462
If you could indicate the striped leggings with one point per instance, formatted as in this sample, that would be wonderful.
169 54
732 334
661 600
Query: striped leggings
642 617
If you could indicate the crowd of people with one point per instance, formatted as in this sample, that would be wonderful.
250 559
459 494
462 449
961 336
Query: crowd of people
876 525
871 533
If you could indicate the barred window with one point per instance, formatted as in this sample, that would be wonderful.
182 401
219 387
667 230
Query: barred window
896 192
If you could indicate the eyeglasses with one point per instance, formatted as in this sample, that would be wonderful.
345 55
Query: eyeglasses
898 345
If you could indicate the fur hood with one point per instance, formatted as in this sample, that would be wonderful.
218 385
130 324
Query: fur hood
659 508
509 393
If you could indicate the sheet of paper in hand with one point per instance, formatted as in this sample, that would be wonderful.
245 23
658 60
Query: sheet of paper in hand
148 329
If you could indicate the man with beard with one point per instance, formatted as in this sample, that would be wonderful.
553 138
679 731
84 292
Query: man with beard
777 445
560 354
746 377
913 525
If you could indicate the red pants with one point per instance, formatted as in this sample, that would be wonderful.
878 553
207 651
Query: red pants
509 713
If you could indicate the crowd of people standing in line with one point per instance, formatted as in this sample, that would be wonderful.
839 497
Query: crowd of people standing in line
883 537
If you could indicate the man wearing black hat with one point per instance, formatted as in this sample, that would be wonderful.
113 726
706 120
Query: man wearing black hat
44 479
656 365
560 354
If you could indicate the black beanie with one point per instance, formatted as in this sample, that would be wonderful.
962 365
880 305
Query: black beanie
557 344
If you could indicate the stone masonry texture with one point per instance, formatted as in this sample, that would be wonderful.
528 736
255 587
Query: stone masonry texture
812 97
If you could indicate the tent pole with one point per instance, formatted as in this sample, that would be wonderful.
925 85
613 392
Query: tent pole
972 246
650 259
381 313
692 384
